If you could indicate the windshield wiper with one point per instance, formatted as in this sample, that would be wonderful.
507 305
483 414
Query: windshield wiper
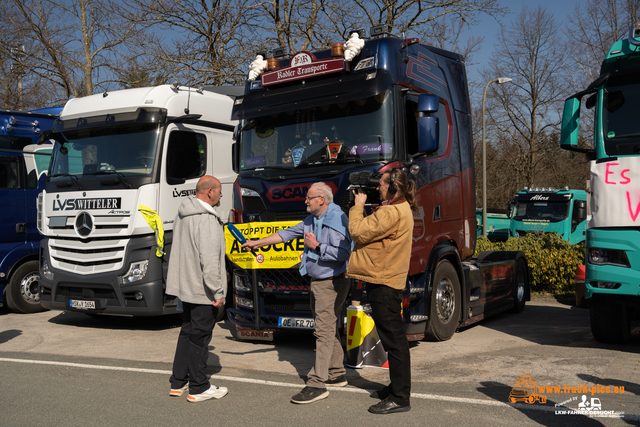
260 168
120 175
74 179
342 160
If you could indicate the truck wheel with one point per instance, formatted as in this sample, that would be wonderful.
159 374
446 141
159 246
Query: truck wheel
444 313
22 290
521 286
609 322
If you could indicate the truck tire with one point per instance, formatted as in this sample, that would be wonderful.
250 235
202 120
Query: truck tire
22 290
610 323
444 313
521 286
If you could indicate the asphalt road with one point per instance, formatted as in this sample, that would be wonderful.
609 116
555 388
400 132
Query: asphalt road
61 368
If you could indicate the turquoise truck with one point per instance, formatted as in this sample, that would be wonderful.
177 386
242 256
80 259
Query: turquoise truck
497 224
613 236
549 210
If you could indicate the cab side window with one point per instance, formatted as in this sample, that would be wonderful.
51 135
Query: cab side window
186 155
9 173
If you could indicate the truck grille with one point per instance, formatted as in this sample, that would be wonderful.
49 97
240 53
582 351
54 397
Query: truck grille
284 280
87 257
103 226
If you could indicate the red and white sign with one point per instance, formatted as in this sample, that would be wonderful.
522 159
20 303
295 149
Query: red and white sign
303 65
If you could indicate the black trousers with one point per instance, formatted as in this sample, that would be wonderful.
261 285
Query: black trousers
192 350
386 305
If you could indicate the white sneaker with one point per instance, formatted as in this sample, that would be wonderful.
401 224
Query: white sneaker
177 392
213 393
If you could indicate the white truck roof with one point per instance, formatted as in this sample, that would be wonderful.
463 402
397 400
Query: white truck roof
175 101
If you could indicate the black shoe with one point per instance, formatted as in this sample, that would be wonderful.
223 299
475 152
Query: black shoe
341 381
310 394
380 394
388 406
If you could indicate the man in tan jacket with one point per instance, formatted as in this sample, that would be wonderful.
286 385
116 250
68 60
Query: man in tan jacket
381 259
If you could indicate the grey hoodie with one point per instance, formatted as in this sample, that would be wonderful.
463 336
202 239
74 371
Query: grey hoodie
197 272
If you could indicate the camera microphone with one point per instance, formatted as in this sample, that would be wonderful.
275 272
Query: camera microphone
358 178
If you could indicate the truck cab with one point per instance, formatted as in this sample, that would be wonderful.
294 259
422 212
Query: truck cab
612 270
336 116
549 210
23 169
122 163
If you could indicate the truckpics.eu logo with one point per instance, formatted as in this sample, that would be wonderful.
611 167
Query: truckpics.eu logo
582 399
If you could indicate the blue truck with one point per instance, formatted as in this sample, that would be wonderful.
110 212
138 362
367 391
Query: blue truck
549 210
343 116
23 168
612 269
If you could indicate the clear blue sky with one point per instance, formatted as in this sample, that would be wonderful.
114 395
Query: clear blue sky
488 27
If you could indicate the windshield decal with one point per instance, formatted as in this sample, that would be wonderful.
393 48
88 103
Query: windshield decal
296 153
253 163
383 148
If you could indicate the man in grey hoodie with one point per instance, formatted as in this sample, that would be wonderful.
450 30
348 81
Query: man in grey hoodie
197 276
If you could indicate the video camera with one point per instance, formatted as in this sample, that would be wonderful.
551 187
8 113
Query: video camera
365 182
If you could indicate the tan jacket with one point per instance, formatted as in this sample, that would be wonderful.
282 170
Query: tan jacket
382 244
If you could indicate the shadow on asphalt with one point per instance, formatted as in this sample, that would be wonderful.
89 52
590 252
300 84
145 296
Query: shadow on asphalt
81 320
9 335
554 325
297 349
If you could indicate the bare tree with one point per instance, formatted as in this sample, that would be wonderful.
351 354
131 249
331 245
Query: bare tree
294 22
592 29
208 39
75 41
527 111
416 15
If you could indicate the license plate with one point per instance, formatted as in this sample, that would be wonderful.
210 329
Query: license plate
294 322
82 305
252 334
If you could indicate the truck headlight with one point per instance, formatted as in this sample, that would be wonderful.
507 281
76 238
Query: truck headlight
239 283
599 256
243 302
137 271
48 274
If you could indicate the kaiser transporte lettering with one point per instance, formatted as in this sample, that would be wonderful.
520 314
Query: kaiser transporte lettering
86 204
281 255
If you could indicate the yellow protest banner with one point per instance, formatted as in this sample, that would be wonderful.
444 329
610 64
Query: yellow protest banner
282 255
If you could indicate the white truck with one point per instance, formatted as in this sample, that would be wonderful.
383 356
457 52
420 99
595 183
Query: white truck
118 153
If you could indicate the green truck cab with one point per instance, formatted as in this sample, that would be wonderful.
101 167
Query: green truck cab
613 250
549 210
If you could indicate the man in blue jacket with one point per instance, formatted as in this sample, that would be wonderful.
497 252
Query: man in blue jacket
327 247
197 275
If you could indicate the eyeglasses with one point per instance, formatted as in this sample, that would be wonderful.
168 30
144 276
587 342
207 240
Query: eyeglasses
308 199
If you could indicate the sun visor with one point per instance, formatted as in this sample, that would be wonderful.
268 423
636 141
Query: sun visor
311 94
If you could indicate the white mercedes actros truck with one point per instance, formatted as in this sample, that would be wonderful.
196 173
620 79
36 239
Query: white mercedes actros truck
121 165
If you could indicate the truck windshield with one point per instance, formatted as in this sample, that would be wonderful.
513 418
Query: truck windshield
620 126
541 211
128 150
359 131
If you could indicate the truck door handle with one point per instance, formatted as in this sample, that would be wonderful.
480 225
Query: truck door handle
21 227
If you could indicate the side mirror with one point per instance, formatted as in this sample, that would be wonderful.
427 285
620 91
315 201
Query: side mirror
235 149
428 125
579 212
570 124
510 207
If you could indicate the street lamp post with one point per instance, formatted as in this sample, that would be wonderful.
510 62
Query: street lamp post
500 80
